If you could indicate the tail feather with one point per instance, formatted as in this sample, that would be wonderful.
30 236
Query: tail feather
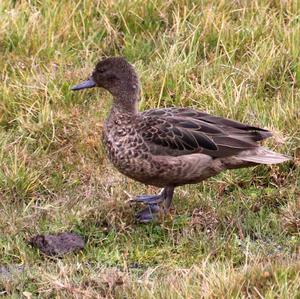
262 155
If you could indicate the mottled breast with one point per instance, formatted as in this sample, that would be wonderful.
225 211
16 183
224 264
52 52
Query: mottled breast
126 148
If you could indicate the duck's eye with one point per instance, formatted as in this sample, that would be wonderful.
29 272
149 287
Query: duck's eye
101 71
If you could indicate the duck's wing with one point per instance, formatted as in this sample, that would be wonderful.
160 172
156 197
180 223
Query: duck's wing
181 131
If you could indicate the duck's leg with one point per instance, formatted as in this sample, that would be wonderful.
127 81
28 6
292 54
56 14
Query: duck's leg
153 210
169 192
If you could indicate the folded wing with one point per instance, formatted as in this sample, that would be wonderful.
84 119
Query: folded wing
182 131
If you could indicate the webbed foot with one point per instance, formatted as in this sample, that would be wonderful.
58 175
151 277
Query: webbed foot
157 205
149 214
149 199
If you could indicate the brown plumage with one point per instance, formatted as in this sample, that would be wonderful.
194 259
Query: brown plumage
172 146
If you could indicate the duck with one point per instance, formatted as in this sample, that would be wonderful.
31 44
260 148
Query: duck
169 147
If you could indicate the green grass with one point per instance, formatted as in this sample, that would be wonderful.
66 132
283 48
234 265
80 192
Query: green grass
233 236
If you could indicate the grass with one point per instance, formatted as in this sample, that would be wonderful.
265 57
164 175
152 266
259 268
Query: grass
233 236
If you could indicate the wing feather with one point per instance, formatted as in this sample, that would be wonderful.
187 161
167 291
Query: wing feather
185 131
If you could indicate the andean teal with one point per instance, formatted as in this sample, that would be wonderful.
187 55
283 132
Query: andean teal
170 147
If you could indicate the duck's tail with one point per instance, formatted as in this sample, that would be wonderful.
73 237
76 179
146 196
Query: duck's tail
263 155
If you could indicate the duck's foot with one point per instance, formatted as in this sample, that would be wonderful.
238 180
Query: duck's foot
158 205
149 199
149 214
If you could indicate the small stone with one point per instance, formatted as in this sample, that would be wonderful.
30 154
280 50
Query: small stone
27 295
57 244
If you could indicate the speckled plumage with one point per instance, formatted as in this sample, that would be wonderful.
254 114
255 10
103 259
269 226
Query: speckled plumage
134 153
172 146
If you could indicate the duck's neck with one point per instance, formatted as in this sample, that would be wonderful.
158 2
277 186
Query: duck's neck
121 113
126 103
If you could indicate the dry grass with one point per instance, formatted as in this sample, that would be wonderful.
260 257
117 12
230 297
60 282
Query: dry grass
234 236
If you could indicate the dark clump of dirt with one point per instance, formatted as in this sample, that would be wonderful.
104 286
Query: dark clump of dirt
57 244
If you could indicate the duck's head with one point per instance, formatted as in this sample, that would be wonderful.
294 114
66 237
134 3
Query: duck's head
115 75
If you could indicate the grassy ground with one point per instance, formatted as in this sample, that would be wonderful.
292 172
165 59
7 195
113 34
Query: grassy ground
234 236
